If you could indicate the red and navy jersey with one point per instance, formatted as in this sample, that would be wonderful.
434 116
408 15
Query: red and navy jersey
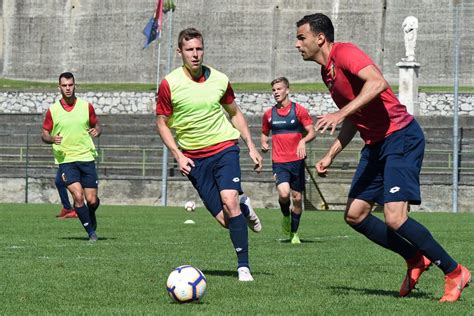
380 117
287 126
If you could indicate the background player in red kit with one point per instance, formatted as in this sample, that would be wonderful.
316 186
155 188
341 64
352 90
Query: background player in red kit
288 122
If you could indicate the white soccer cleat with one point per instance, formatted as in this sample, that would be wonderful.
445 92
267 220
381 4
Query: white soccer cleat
253 221
244 274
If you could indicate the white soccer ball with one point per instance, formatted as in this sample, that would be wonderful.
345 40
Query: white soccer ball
190 206
186 284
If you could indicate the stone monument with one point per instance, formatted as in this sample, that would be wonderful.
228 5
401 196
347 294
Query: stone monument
409 68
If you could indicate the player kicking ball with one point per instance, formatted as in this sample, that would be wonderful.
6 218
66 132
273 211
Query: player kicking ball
191 100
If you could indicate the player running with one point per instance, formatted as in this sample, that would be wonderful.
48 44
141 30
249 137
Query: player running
287 121
69 125
389 167
190 101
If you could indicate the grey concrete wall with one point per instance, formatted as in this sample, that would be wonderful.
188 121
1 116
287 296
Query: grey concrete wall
436 198
250 40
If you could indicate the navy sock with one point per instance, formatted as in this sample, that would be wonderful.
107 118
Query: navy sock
420 236
295 222
244 209
239 236
285 208
84 217
92 209
377 231
62 190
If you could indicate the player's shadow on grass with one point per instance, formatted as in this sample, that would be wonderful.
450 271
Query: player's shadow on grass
346 290
86 238
231 273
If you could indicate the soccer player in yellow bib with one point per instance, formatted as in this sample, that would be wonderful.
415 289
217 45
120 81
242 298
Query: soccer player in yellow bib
190 101
69 125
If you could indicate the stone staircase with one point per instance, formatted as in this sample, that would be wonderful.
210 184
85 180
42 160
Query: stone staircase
130 148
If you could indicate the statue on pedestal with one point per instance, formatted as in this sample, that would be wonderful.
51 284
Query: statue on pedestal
410 26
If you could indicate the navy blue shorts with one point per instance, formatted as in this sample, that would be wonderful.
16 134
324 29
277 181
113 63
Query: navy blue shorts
211 175
83 172
389 171
291 172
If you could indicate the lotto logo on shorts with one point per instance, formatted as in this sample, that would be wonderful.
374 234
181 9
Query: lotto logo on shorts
236 179
394 189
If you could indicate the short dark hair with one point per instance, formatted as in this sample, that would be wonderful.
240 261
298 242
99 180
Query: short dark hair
188 34
280 79
319 23
66 75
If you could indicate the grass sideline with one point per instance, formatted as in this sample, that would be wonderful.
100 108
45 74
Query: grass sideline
48 267
7 85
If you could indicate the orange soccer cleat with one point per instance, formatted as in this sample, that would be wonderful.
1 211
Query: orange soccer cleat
62 212
65 213
416 267
71 214
455 282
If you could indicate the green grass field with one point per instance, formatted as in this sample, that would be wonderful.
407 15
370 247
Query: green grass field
49 267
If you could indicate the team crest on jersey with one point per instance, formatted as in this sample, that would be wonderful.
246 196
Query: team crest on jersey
331 76
332 71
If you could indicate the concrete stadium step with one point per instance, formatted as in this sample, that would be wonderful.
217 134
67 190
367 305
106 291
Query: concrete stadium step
140 156
13 127
427 177
14 138
426 122
134 129
114 170
130 147
124 171
33 170
129 141
21 119
128 119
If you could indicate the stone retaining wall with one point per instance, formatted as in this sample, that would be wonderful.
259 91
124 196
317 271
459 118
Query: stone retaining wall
251 103
436 198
